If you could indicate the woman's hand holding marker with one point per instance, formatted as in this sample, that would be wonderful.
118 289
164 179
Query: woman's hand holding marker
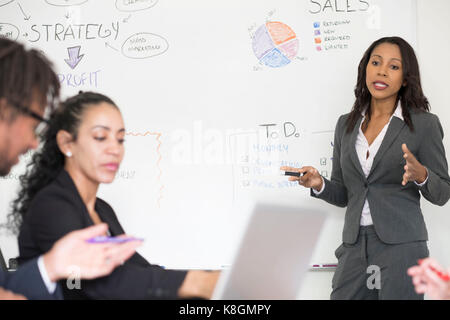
309 177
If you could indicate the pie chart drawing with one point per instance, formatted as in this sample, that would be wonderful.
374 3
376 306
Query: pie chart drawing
275 44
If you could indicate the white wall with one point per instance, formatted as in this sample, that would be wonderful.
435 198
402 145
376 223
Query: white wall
433 53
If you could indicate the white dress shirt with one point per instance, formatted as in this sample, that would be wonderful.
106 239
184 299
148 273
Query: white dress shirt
51 286
362 149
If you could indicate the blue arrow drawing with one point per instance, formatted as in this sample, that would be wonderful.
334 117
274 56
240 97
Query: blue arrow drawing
74 56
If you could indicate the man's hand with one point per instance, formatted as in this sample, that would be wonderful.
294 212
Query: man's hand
91 259
8 295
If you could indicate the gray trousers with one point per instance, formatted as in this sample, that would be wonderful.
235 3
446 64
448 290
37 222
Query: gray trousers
373 270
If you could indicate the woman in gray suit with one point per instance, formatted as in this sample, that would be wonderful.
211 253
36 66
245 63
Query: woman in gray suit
387 151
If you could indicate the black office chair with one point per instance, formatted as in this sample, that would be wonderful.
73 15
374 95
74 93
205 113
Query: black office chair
3 265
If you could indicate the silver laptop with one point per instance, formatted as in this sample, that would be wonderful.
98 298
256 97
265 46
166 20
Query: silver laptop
273 255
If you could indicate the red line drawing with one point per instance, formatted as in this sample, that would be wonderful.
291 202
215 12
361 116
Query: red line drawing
158 136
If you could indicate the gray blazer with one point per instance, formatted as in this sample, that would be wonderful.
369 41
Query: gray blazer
395 209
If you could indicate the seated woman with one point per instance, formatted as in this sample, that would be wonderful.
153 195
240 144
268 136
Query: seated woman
83 147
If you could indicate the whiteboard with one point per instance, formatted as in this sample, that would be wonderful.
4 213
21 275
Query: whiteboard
216 96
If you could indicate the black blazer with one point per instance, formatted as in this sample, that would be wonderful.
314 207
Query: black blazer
395 209
28 282
57 210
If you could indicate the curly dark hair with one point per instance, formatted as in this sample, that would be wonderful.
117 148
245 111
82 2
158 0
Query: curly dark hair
48 161
411 95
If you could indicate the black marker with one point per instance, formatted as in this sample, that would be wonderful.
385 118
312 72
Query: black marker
293 174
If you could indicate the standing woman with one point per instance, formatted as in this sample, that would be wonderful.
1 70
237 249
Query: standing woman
387 151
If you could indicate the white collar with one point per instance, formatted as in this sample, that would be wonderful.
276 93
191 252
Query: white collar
397 113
